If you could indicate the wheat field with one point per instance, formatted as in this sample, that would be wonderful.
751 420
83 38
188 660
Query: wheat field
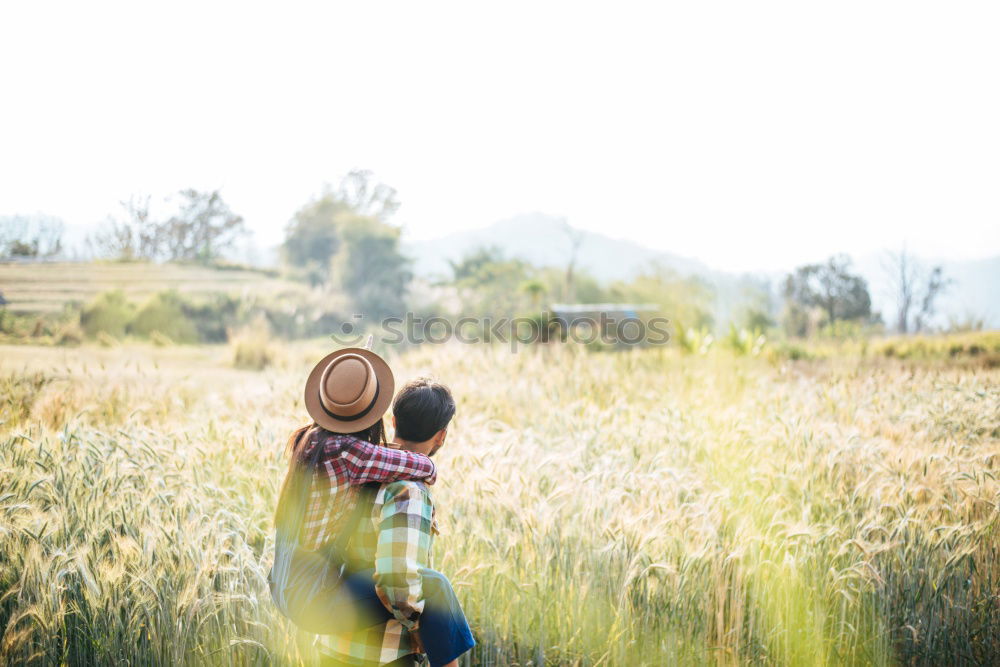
633 508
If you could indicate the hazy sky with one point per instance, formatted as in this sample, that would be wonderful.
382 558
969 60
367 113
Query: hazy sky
750 135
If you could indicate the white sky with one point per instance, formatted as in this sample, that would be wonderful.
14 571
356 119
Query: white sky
750 135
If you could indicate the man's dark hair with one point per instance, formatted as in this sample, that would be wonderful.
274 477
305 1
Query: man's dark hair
422 408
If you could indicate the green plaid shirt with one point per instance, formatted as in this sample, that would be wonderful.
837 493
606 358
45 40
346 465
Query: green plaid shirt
396 541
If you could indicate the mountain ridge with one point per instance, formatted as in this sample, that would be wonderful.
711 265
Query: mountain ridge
544 240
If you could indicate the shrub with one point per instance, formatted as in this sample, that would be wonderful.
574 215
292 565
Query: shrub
745 342
164 312
160 340
70 334
546 328
252 349
954 346
212 318
108 312
694 341
106 339
791 351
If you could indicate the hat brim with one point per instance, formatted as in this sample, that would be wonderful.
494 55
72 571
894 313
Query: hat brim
386 387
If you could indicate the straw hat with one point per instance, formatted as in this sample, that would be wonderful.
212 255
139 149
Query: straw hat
349 390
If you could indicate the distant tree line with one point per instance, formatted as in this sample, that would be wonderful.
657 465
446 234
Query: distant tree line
202 227
30 236
487 283
822 296
344 242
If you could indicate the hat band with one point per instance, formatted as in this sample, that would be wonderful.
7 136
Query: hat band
352 417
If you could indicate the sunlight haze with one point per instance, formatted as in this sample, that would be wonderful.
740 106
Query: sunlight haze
757 136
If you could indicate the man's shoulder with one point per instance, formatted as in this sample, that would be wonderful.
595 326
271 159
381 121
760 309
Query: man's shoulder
399 487
404 490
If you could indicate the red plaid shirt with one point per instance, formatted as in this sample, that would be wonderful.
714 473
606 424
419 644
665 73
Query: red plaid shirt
345 463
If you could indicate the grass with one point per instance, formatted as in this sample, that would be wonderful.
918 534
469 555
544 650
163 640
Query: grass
641 508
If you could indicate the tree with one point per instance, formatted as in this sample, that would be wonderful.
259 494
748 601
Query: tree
312 240
35 236
136 237
535 289
370 268
831 287
313 236
202 228
934 284
586 288
686 301
372 200
472 270
756 305
343 239
576 238
489 284
914 286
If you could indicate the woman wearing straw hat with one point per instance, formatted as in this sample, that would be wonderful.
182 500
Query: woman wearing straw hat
352 474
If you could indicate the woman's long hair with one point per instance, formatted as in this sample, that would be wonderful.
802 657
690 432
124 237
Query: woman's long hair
298 468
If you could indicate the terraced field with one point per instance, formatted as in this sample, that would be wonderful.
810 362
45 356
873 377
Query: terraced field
45 286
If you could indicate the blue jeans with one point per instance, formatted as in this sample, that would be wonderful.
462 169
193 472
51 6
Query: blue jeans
443 629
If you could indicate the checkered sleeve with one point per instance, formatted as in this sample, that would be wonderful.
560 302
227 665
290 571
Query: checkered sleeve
404 542
371 463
